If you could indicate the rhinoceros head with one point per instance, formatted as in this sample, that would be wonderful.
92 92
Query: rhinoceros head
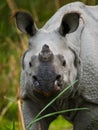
49 64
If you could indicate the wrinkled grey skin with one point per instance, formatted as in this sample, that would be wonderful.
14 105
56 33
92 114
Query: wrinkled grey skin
63 50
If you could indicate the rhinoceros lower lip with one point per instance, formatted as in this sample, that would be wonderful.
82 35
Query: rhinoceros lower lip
48 93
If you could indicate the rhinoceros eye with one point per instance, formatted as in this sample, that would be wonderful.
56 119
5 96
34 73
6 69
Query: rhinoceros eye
62 60
30 64
64 63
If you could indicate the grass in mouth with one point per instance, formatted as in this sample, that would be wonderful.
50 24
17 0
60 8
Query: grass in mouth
38 117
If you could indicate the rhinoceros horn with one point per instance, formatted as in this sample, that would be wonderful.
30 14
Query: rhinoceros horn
46 54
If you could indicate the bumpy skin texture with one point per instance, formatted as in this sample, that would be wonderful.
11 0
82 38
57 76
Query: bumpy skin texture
72 36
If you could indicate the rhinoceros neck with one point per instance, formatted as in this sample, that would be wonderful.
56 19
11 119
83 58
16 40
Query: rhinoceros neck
89 57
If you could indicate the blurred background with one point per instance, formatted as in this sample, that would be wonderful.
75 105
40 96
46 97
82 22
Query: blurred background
12 45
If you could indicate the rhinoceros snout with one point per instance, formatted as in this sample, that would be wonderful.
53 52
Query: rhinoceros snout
47 87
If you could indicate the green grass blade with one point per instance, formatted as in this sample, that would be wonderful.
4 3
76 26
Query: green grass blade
13 125
59 112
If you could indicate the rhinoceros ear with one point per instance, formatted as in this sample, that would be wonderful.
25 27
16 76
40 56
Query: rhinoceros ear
69 23
25 22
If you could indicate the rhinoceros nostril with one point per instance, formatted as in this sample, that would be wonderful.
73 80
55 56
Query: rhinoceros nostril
34 77
58 81
58 77
35 82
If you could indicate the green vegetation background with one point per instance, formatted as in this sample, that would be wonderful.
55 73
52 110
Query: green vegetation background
12 45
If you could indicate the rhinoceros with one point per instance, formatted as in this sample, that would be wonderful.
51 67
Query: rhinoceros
65 49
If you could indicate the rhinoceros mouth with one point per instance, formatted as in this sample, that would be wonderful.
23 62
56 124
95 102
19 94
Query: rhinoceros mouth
41 93
48 88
